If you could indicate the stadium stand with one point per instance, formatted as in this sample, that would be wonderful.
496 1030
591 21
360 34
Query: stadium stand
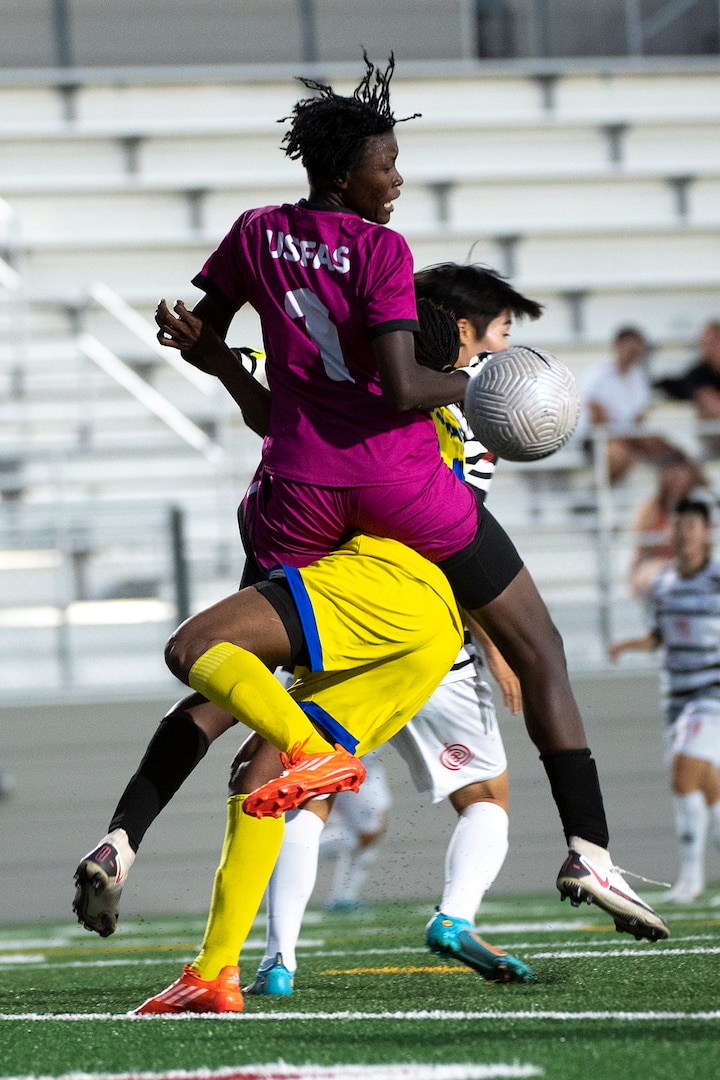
560 177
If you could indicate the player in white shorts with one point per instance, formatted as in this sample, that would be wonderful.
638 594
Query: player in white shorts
685 603
453 746
351 837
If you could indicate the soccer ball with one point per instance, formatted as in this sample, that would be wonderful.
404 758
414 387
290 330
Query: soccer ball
523 404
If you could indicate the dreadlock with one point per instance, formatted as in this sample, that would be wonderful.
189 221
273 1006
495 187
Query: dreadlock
437 342
473 292
327 132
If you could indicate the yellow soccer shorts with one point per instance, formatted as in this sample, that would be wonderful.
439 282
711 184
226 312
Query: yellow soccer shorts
382 630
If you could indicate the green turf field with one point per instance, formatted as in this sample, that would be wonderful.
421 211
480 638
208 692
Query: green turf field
368 993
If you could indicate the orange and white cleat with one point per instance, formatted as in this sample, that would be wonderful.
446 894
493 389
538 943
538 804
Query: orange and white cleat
304 777
191 994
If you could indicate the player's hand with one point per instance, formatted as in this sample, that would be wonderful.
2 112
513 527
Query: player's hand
180 330
198 342
508 682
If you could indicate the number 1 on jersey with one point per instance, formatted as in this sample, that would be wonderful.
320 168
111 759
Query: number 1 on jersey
304 304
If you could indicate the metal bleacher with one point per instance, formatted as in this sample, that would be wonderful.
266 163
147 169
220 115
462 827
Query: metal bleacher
596 188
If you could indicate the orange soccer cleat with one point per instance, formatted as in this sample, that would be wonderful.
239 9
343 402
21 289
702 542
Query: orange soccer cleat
304 777
191 994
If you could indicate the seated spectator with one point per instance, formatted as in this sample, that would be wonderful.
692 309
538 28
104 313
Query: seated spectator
701 384
616 394
678 477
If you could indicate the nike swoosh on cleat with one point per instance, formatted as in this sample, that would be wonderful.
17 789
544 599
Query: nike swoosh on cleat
604 882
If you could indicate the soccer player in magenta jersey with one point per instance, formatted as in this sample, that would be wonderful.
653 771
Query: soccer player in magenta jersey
351 445
453 746
460 711
354 415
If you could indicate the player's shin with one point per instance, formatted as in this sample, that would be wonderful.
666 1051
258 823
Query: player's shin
576 790
249 853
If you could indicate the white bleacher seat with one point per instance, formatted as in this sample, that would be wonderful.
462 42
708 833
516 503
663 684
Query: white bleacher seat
704 200
634 96
221 207
482 98
117 213
685 146
670 312
453 150
31 155
228 157
561 205
26 108
143 106
619 258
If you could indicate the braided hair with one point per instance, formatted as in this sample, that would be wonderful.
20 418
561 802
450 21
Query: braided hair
437 342
327 131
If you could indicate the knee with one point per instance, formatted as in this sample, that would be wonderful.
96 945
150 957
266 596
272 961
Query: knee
255 763
181 652
172 658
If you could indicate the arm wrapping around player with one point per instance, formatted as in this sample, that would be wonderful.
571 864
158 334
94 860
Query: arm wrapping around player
200 343
409 385
499 668
647 643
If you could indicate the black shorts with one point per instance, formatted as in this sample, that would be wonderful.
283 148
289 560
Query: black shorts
485 568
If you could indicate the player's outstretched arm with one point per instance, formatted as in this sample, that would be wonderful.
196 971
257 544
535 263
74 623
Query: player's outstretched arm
648 643
500 670
407 384
202 346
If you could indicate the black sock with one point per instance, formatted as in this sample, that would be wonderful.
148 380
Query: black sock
175 749
576 790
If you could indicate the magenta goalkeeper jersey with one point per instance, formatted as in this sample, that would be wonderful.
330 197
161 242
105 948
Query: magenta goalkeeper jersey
324 284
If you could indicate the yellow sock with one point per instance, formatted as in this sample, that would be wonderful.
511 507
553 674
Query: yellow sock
238 682
249 853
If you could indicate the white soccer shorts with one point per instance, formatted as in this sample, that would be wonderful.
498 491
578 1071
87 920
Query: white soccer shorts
454 740
696 732
363 812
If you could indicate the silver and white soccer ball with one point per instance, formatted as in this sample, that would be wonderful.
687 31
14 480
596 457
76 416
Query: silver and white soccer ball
523 404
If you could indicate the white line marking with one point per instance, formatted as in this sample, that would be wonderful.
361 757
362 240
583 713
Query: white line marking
419 1014
635 952
319 1072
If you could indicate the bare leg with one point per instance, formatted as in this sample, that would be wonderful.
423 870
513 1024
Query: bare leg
520 625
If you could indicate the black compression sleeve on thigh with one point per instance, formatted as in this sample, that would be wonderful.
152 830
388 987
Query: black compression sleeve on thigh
175 749
277 592
576 790
484 569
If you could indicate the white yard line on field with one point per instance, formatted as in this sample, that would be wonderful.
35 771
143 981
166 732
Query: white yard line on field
281 1071
410 1015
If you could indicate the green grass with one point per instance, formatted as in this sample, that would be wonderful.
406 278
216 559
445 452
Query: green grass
600 1000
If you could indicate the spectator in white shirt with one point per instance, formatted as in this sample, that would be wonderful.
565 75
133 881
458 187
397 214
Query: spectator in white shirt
616 394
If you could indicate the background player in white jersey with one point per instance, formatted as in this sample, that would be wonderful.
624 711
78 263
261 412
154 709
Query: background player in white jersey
685 605
453 746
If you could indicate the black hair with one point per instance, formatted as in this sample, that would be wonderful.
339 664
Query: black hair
437 342
690 505
626 332
473 292
327 132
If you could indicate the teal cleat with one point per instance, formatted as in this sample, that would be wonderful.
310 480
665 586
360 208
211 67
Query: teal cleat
446 936
275 981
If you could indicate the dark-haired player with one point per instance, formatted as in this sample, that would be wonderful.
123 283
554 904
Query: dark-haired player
685 605
463 711
351 446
